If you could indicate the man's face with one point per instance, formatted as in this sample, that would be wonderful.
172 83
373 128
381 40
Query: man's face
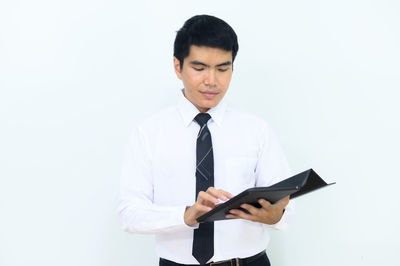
206 73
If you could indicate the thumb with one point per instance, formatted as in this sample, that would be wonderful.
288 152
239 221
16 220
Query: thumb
283 202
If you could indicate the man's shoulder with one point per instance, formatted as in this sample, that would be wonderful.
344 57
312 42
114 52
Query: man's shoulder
159 118
236 114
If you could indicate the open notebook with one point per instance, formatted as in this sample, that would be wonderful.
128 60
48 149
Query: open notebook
294 186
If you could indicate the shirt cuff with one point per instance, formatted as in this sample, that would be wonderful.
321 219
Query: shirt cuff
285 220
194 226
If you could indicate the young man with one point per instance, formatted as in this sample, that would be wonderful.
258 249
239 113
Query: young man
183 161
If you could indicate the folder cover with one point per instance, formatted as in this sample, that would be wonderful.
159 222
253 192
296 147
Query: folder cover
294 186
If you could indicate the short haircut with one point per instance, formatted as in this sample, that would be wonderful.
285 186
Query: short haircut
205 30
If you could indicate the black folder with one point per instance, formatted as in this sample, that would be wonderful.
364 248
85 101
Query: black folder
294 186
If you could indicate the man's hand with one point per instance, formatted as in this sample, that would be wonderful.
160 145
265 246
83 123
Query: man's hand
206 201
267 214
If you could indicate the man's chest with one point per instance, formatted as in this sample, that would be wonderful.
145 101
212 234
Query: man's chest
174 163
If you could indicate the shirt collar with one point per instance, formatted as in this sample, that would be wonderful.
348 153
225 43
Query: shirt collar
188 111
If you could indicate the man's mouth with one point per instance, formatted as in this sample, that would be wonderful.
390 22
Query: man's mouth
209 95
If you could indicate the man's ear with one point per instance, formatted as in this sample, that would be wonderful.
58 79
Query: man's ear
177 68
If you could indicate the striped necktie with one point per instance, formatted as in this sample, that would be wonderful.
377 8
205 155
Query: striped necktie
203 237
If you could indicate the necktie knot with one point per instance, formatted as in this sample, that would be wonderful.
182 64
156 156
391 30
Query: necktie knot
202 118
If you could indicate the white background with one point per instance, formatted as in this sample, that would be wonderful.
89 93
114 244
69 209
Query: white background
76 75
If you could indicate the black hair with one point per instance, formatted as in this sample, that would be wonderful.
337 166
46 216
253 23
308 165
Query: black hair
205 30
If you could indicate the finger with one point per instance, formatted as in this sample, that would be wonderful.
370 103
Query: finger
250 208
219 193
204 197
227 194
213 191
242 215
202 208
231 216
264 204
207 203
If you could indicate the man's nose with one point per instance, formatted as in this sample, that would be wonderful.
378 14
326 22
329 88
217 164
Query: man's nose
210 79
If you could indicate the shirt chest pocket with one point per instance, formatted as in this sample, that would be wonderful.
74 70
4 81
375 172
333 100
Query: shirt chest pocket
240 173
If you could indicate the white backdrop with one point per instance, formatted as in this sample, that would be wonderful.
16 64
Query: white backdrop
76 75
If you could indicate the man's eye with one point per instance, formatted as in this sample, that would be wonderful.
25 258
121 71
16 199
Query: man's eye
198 69
222 69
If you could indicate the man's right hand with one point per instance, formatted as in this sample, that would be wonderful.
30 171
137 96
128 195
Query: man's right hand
206 201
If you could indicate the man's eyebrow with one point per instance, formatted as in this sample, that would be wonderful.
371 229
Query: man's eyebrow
227 63
198 63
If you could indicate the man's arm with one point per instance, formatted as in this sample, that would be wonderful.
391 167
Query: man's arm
137 212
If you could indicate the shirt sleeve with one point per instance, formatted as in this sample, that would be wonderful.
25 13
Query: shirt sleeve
272 167
137 212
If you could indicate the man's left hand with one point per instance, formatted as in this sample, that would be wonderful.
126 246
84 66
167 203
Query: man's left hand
267 214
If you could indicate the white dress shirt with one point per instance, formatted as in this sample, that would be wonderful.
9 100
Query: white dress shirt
158 178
